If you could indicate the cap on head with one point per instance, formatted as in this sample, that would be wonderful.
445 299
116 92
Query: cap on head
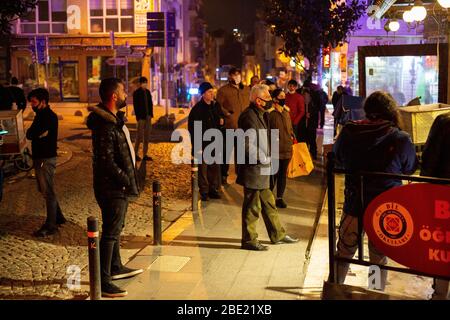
205 86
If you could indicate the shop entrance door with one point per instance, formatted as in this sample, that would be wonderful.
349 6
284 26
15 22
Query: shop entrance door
69 81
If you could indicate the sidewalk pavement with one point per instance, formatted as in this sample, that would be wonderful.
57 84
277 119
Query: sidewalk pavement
201 256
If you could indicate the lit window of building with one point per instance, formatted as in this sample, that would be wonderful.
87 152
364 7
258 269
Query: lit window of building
49 17
111 15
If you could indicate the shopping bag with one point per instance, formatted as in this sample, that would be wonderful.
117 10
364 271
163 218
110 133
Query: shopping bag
301 163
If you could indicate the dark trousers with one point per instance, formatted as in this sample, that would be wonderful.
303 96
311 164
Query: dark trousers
45 173
224 168
322 117
208 177
311 137
302 131
279 179
113 211
255 202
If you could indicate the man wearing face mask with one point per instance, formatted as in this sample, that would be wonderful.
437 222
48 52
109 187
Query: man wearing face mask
114 179
254 176
43 134
233 98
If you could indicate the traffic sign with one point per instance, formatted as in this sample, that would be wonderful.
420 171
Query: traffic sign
137 55
116 61
123 51
41 50
155 25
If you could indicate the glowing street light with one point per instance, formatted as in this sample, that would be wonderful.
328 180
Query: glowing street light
418 11
408 17
394 25
444 3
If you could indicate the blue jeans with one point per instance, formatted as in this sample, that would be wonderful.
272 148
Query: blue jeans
45 173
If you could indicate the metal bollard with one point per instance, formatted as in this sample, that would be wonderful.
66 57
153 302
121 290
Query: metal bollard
157 233
94 259
194 180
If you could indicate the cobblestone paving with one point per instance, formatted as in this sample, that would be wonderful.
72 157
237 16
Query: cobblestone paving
32 268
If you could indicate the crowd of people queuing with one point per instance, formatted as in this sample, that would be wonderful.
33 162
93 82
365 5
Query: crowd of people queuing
376 143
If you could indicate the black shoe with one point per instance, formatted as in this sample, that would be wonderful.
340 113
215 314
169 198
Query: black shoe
287 239
280 203
45 231
110 290
148 158
215 195
125 272
255 247
60 220
204 196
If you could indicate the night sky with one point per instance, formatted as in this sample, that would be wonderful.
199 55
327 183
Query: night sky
230 14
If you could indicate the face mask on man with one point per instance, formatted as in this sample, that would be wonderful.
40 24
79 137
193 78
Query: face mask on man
120 104
36 108
267 104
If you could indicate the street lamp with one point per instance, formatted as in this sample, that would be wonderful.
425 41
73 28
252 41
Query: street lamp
444 3
418 11
394 25
408 17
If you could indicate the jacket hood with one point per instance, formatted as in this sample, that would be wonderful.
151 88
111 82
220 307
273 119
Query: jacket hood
366 133
100 116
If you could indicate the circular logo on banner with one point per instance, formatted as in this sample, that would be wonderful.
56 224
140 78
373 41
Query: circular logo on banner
393 224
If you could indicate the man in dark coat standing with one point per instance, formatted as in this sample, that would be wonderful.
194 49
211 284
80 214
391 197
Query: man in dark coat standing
43 134
436 163
143 109
18 94
254 174
206 113
114 179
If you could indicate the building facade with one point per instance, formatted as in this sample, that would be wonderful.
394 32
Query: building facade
84 36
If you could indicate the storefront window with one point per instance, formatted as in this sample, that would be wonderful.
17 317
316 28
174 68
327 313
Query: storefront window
405 77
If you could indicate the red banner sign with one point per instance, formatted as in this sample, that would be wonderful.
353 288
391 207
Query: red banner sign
411 225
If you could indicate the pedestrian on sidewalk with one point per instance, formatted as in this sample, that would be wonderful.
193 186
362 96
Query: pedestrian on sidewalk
208 114
436 163
143 109
18 94
376 144
233 98
254 176
43 134
279 119
115 179
296 105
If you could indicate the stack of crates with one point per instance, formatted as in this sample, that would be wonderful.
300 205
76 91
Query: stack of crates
417 121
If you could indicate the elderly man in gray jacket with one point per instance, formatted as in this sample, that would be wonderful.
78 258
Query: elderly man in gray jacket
254 174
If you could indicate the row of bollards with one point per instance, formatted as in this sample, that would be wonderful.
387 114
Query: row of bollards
94 242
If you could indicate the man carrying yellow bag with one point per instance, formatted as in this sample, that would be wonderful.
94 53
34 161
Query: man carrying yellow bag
301 163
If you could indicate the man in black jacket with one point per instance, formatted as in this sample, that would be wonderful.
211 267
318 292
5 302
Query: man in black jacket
436 163
143 109
254 174
208 114
114 179
43 134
